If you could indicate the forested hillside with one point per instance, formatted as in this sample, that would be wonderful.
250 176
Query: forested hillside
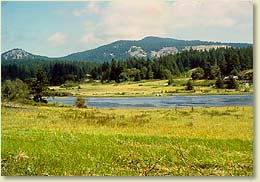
57 71
213 63
148 47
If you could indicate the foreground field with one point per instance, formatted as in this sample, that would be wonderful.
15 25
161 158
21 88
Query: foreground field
147 88
71 141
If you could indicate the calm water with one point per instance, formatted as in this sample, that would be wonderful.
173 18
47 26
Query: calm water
162 102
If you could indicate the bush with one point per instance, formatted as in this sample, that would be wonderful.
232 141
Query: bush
137 77
247 89
219 83
80 102
197 74
15 90
170 81
232 84
69 84
189 85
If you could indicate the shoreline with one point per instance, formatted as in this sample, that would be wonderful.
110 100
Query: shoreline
163 95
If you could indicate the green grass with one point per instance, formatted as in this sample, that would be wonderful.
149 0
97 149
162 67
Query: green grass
127 142
147 88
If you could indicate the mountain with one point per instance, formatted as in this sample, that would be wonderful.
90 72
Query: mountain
151 47
19 54
147 47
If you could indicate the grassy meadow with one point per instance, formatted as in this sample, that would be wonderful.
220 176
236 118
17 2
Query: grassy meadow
66 141
147 88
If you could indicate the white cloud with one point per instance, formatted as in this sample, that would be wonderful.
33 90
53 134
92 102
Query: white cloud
57 39
219 14
137 19
91 39
90 8
131 20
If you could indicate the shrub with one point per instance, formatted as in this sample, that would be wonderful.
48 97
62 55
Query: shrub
247 89
80 102
69 84
219 83
197 74
189 85
137 77
15 90
232 84
170 81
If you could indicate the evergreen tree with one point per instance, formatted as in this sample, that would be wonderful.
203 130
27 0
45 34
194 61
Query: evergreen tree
219 82
205 65
39 86
232 59
113 73
189 85
215 71
137 76
94 74
150 73
143 72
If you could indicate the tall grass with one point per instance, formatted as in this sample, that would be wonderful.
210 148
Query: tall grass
148 88
126 142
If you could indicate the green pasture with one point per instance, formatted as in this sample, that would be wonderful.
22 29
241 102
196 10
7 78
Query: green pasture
65 141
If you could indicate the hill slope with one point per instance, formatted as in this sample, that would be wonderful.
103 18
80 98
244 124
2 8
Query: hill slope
19 54
147 47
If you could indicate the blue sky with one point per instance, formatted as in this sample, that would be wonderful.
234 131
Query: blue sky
60 28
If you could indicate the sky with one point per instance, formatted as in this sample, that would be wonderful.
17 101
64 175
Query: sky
60 28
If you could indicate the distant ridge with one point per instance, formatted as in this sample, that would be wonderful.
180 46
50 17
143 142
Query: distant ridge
20 54
149 46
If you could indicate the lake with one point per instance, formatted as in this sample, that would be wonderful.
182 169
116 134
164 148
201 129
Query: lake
161 102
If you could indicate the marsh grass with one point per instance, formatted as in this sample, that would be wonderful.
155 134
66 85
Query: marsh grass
148 88
127 142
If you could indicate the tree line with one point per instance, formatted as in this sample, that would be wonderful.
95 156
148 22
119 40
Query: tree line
29 80
57 72
209 64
